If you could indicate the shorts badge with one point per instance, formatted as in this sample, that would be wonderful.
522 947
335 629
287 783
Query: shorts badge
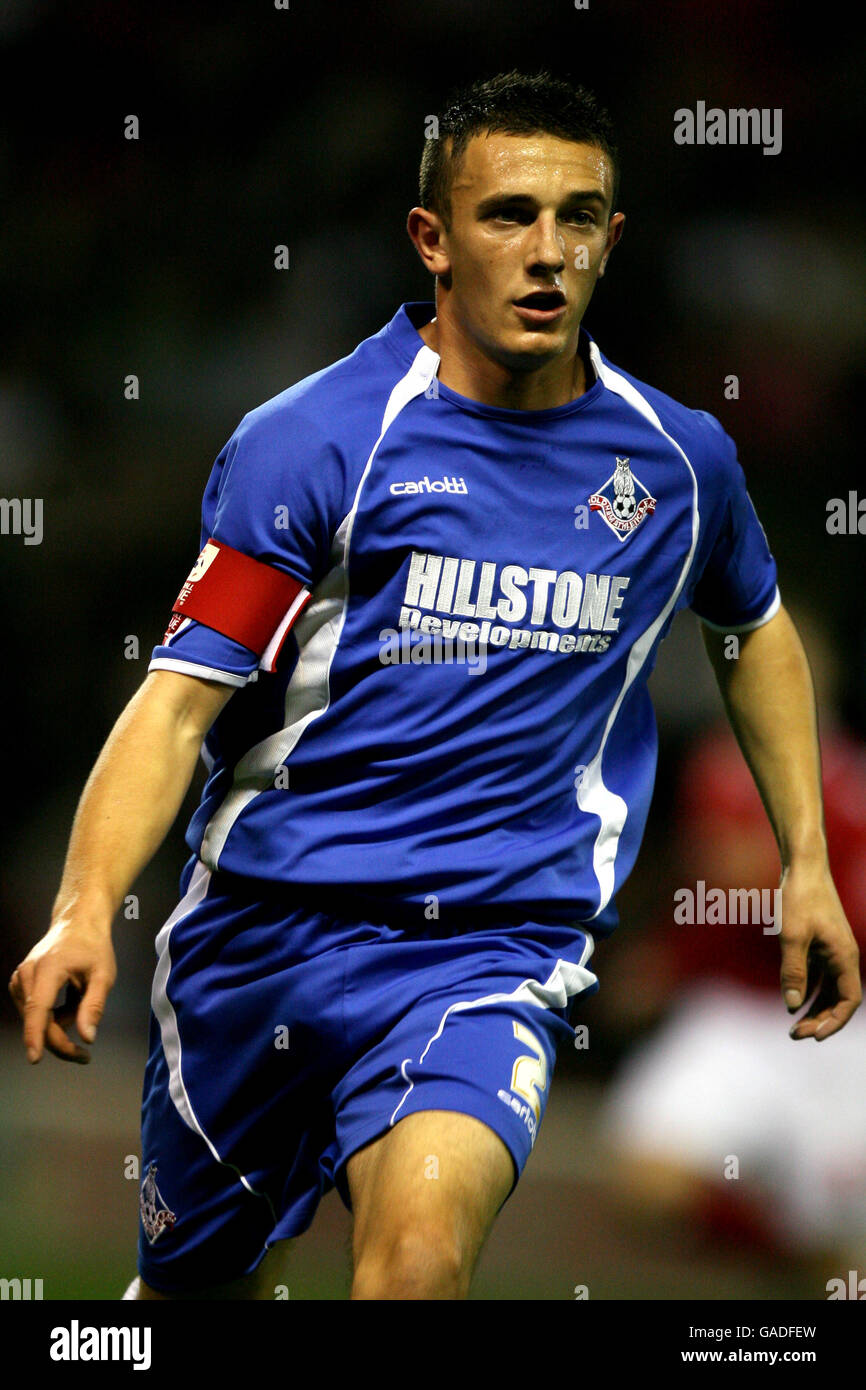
155 1215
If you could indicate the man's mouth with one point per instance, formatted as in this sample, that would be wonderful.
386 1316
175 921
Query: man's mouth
541 306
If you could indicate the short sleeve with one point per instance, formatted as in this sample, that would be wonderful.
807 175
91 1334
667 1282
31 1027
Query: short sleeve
737 589
275 496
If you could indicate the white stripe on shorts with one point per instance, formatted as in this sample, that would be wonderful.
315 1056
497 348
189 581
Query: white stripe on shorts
565 980
167 1018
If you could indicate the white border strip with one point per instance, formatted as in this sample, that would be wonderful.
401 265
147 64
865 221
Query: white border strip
592 794
167 1018
207 673
747 627
272 650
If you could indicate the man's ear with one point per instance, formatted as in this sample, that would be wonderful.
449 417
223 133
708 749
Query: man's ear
614 232
430 239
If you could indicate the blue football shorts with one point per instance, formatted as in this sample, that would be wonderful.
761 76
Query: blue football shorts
283 1039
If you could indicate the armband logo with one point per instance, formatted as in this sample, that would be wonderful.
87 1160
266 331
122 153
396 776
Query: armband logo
247 600
204 561
198 571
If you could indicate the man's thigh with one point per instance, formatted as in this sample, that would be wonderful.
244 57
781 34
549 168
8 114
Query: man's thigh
437 1118
425 1195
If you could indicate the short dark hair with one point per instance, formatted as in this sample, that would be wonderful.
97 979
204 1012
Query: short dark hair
512 103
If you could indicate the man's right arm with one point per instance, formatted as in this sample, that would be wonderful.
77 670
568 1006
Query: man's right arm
128 805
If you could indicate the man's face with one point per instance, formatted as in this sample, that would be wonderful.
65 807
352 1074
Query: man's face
529 216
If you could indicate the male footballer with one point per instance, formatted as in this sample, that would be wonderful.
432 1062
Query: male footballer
414 653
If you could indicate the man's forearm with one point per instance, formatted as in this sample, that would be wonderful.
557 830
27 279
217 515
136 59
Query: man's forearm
769 697
128 805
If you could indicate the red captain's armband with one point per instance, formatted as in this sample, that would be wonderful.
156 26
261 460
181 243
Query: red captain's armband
244 599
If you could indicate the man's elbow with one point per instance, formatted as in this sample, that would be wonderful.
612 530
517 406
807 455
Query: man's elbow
190 702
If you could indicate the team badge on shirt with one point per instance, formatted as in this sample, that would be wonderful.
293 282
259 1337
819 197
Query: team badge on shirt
623 501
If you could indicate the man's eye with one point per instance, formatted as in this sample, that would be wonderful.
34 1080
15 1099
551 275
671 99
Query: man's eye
580 216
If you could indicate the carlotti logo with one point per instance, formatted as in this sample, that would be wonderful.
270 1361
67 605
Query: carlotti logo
446 484
623 501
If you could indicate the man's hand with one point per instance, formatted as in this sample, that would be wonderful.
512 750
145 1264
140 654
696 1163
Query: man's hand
68 954
770 701
819 953
131 799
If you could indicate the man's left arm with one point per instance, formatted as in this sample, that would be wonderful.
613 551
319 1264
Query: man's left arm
768 694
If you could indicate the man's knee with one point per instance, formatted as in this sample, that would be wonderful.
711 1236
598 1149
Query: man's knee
421 1239
413 1260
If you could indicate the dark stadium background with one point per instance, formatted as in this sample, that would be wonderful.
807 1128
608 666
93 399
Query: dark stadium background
304 127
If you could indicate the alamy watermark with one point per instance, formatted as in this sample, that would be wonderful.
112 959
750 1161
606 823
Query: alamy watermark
20 1290
736 126
77 1343
846 517
22 516
852 1288
409 646
734 907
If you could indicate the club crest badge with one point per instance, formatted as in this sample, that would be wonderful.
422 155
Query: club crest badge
623 501
155 1215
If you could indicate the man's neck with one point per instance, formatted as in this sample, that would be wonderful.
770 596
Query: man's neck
481 379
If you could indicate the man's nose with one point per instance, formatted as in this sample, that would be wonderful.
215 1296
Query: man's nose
547 245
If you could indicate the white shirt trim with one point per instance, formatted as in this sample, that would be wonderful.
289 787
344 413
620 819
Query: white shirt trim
746 627
207 673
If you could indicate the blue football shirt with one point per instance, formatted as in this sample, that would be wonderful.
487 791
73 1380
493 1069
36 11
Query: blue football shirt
459 713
